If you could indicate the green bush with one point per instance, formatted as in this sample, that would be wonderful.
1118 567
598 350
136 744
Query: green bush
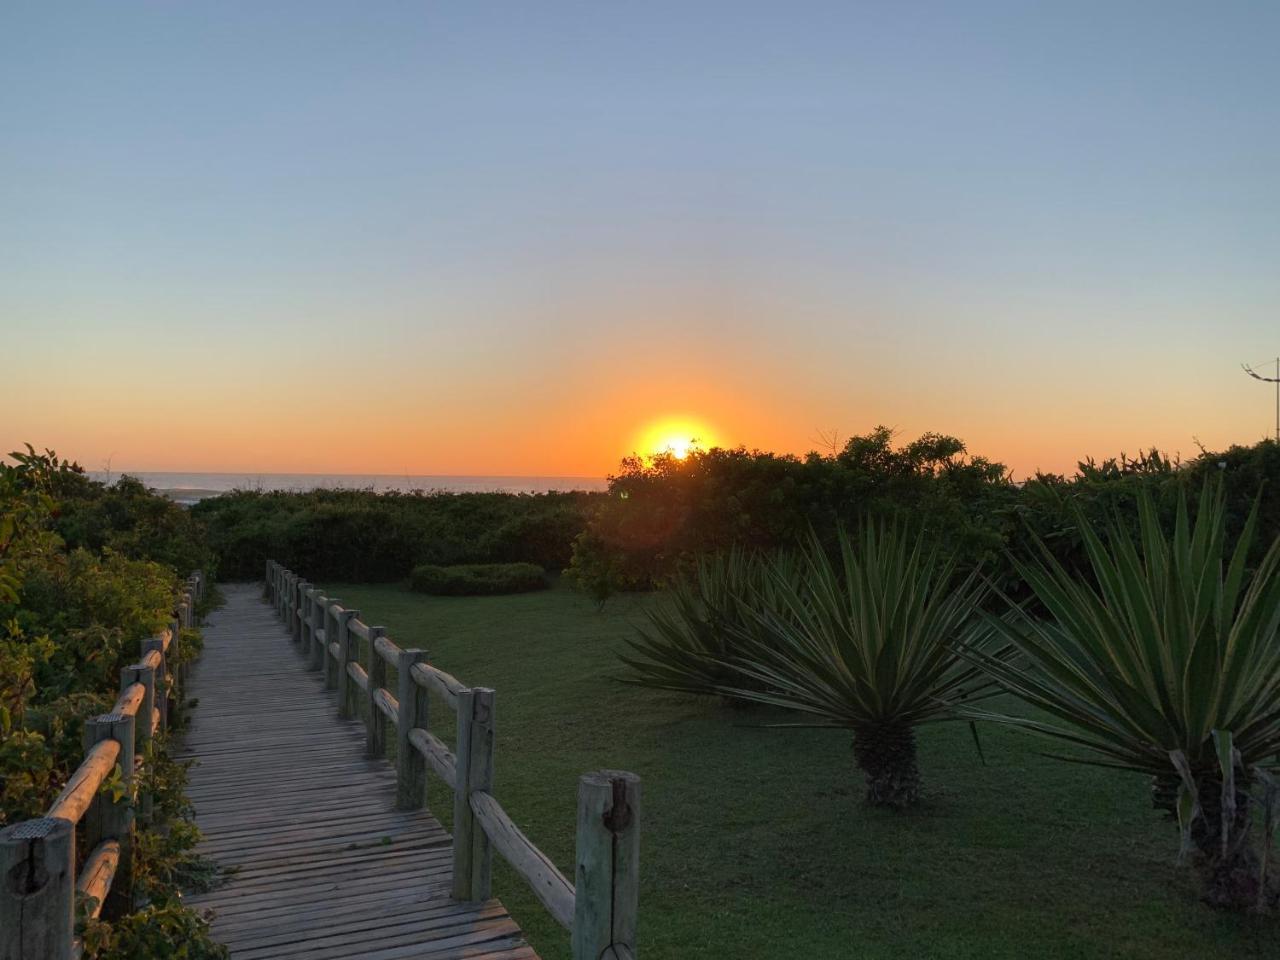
363 536
86 571
477 579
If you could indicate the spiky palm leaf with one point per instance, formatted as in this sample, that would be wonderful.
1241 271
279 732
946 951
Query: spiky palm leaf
691 643
1167 646
868 639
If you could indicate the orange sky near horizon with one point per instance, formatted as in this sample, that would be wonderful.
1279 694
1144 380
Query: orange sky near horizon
474 240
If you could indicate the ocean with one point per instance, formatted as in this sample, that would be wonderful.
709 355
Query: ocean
188 488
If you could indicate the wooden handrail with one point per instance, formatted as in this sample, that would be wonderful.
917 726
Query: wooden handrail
447 686
82 787
546 881
97 873
37 921
599 909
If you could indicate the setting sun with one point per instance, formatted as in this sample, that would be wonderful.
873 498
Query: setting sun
676 436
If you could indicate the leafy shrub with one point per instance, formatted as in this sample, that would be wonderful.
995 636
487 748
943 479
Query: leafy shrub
86 571
476 579
365 536
165 929
665 510
1166 662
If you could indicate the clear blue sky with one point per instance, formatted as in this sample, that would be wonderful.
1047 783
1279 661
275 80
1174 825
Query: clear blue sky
502 237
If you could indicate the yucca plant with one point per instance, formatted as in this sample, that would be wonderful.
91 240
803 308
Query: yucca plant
865 642
690 644
1166 663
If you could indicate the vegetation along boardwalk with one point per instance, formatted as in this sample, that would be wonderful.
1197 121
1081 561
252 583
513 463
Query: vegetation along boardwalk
333 851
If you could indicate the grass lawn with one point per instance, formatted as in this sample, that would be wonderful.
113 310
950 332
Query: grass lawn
755 841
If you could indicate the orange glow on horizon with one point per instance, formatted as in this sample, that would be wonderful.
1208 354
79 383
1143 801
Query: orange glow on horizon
675 435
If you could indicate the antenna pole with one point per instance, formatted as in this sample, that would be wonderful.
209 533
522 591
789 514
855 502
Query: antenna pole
1276 380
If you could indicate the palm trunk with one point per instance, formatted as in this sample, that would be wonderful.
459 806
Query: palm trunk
1230 875
886 754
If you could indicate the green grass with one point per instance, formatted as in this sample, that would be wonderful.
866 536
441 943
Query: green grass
755 842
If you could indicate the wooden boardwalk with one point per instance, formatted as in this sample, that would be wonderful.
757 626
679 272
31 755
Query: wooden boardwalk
325 866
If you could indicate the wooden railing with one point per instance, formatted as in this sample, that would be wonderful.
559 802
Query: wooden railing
599 908
39 882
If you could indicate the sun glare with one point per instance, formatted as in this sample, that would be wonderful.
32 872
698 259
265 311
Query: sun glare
676 436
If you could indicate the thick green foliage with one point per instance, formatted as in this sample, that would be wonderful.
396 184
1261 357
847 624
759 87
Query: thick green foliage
86 572
662 511
478 579
366 536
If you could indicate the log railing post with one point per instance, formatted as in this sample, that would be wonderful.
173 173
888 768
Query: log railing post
319 609
161 680
109 817
472 850
330 636
145 675
37 890
607 878
346 654
411 766
304 620
297 619
376 721
143 734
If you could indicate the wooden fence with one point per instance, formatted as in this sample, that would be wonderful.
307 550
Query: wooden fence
39 882
599 908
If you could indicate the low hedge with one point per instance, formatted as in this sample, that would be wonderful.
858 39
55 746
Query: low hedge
477 579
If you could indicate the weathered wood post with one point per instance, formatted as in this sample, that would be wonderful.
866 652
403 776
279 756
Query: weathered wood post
299 611
304 620
607 878
319 610
411 766
346 654
330 636
162 678
145 675
109 818
37 890
174 655
472 850
376 723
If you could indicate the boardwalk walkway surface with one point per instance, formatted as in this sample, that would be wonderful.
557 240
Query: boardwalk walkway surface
326 868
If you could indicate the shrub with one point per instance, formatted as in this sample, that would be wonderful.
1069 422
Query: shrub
365 536
1165 662
477 579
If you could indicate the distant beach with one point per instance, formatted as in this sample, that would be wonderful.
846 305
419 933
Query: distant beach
188 488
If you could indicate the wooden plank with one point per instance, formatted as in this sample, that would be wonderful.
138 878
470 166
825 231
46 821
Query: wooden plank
446 685
82 786
435 752
544 878
97 873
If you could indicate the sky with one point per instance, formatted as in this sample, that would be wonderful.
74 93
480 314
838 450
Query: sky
511 238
